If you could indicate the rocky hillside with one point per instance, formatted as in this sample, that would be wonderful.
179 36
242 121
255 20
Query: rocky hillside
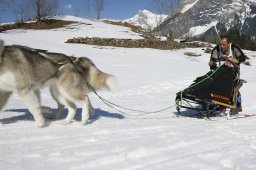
204 18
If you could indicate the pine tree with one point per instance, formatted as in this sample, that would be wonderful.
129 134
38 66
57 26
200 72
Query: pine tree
244 41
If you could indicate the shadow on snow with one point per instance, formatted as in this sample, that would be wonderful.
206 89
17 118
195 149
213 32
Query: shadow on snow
28 116
189 113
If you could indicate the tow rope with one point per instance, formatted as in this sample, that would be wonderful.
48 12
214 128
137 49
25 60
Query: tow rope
142 113
118 107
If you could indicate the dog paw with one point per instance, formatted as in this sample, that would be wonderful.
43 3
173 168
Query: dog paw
84 122
40 124
64 122
85 119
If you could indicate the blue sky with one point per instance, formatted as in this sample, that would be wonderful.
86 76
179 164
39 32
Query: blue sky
114 9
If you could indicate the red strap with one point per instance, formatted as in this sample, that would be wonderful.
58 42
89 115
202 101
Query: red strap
226 57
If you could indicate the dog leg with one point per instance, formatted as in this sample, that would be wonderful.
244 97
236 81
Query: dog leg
86 108
56 95
71 112
91 110
4 96
44 109
62 101
55 115
32 102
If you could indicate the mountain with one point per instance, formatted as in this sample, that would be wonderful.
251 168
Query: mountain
146 19
205 18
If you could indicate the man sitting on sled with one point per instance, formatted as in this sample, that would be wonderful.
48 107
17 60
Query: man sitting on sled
226 50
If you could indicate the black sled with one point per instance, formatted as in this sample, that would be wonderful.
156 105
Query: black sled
214 92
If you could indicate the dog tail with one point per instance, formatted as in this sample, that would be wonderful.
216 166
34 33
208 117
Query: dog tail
100 80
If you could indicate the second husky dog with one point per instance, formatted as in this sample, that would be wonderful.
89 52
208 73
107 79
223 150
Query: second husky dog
73 82
24 71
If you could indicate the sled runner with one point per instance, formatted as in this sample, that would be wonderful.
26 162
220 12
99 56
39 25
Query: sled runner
215 92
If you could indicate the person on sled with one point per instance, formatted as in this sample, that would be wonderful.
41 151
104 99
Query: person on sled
227 50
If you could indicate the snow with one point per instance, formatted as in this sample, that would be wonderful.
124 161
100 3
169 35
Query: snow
146 19
252 15
188 6
148 79
252 1
198 30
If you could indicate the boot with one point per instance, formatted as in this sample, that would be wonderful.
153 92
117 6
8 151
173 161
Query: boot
239 107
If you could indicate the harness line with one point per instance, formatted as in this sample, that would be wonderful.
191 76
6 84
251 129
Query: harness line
115 106
118 107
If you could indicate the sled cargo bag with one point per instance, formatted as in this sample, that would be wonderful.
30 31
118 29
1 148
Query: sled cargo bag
215 86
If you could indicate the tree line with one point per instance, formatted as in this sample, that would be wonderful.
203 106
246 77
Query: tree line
244 41
24 10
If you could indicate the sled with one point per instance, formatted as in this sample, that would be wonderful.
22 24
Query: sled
214 92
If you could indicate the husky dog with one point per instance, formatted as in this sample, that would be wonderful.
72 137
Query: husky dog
73 81
24 70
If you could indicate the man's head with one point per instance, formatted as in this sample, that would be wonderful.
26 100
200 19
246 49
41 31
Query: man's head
224 43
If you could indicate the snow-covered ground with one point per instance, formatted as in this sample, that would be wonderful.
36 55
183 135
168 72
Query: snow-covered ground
148 79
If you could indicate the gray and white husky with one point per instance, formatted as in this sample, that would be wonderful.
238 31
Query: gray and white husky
25 71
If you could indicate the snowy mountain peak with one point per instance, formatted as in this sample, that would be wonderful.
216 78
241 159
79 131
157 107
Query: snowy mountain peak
145 12
146 19
187 4
197 17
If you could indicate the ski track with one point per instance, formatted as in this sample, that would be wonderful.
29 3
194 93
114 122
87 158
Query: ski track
145 147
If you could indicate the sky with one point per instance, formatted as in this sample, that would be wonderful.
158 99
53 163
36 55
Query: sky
113 9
